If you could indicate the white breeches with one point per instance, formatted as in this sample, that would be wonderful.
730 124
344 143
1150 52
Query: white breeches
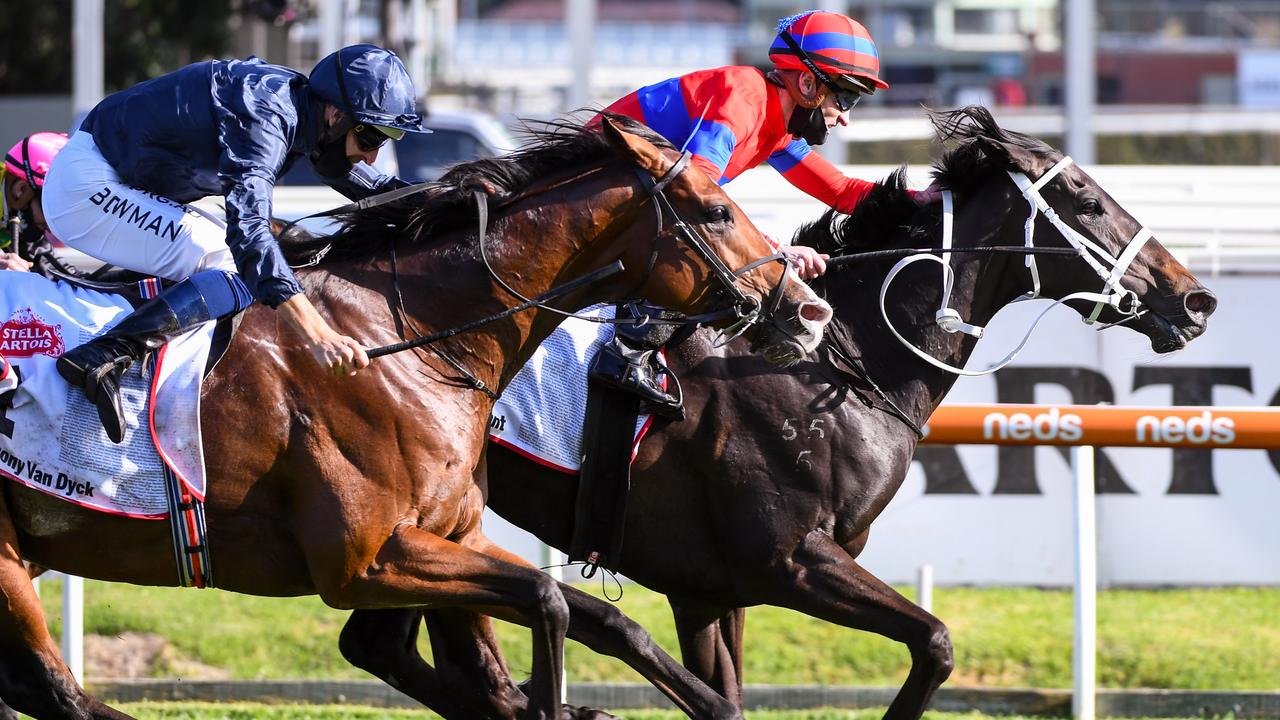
88 207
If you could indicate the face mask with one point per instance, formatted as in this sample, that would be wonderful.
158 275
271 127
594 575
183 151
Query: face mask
330 158
808 125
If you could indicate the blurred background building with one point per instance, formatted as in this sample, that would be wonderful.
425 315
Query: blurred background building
518 56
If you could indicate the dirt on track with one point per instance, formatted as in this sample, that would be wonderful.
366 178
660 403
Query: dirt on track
141 655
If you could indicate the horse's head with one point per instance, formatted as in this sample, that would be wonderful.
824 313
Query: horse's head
1119 273
700 252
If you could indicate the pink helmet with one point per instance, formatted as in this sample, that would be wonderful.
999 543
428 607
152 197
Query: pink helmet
31 157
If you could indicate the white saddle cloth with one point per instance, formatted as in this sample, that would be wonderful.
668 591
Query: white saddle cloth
50 436
540 414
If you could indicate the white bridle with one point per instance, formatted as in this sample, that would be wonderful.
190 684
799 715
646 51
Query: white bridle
1110 269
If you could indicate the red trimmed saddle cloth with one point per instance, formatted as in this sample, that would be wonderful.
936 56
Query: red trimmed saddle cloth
50 436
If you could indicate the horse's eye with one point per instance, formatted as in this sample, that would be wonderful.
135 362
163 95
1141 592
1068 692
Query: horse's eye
1090 206
719 213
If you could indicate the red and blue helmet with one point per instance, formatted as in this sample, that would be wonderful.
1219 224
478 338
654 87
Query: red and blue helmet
837 45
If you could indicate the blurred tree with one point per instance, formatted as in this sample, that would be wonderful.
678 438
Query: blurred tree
142 39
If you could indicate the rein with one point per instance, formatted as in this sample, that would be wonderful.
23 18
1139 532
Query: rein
745 308
873 255
573 285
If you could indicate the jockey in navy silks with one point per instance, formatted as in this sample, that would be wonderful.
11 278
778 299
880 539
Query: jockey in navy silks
230 128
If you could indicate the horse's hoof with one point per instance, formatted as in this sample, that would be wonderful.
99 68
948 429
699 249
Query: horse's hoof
574 712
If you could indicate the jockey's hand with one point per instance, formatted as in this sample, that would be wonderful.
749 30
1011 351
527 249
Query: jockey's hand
929 195
13 261
342 355
337 353
809 263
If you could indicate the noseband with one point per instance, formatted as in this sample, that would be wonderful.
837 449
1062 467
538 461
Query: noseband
746 309
1115 295
1110 269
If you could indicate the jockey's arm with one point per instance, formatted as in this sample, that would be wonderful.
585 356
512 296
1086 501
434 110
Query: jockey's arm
818 178
248 170
815 176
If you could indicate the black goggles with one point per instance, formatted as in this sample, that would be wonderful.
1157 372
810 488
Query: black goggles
370 137
845 98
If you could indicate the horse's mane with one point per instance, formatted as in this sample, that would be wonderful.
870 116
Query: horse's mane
888 212
554 148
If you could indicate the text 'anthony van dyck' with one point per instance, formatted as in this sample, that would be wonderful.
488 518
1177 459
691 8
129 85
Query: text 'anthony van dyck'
31 470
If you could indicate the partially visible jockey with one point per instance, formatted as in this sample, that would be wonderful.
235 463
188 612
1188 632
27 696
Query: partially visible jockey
23 173
735 118
231 128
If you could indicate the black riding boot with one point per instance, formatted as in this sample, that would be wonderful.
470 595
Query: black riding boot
629 362
96 366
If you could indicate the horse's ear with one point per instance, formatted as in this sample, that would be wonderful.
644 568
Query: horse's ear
641 151
1012 157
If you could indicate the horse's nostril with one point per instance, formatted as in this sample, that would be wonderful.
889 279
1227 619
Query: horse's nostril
816 312
1201 302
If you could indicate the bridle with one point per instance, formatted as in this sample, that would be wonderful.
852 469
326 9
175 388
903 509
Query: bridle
747 310
1109 268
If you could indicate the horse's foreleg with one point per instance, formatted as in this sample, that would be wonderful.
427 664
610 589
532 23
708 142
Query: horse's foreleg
414 568
33 678
827 583
711 645
605 629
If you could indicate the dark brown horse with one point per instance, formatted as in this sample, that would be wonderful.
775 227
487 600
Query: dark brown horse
362 490
745 503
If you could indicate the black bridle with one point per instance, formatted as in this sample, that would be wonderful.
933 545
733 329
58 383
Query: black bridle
747 310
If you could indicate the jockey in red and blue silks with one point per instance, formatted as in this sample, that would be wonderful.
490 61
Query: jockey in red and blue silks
735 118
118 190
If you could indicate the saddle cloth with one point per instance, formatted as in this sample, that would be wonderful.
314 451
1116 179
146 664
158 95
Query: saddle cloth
540 414
50 436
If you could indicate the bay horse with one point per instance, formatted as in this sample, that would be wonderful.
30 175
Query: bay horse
363 490
766 493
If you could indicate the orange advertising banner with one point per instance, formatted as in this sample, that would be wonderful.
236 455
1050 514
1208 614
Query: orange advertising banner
1105 426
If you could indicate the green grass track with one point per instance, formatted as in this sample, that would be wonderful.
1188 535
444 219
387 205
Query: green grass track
1195 639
